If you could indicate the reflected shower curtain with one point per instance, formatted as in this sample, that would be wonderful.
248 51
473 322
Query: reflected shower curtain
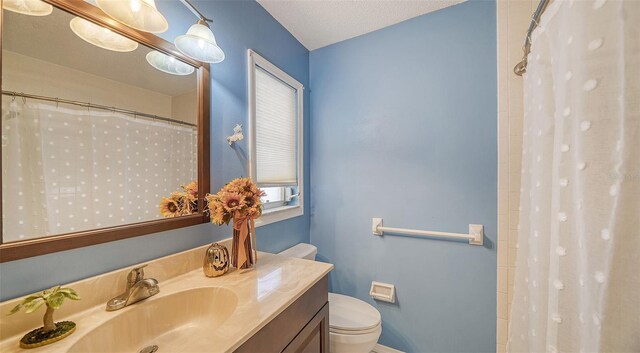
577 286
67 168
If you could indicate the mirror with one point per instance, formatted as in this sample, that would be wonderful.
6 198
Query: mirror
99 131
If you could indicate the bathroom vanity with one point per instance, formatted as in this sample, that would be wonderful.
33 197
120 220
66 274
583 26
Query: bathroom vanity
280 306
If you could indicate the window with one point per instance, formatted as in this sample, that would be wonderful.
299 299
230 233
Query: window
275 130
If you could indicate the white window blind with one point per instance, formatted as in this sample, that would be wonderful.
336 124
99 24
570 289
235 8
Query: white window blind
275 131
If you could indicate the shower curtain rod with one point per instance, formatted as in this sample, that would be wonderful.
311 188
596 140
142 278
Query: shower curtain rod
95 106
521 67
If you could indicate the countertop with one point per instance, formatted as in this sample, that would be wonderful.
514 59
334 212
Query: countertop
262 294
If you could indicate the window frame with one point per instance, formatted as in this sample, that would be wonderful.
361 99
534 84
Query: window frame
254 60
280 203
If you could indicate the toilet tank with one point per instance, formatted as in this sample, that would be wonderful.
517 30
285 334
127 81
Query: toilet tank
301 251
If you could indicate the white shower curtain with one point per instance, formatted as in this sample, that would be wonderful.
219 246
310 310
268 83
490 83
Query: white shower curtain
577 286
67 168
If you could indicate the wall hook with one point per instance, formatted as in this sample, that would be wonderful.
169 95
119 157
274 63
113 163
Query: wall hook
237 135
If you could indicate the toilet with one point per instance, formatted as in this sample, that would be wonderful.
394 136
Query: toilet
354 325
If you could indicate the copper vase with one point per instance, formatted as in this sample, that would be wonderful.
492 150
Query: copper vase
243 248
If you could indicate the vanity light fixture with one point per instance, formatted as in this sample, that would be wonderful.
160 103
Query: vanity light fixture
101 36
28 7
139 14
168 64
199 42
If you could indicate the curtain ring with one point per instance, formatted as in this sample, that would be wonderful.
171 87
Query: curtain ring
533 18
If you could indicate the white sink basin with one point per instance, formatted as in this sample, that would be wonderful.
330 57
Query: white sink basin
179 322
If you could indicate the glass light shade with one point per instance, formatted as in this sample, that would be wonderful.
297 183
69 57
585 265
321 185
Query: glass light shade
28 7
168 64
138 14
200 44
100 36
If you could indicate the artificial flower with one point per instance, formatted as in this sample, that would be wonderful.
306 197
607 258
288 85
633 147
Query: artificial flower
180 203
232 201
169 207
239 201
192 190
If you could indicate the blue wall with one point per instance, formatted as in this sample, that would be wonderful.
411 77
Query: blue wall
404 127
238 26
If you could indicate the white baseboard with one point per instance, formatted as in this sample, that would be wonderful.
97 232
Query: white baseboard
384 349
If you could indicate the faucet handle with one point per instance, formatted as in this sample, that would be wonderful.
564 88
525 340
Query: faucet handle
136 275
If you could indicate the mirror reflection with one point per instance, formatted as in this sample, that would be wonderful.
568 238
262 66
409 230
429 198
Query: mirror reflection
97 130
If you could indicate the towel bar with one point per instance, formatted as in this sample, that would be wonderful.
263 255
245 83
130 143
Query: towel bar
475 236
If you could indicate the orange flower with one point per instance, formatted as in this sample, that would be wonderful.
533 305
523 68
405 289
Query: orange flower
257 191
217 213
254 212
191 190
252 201
232 202
239 185
238 200
169 207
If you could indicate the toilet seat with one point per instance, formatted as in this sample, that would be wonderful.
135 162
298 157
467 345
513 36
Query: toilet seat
347 332
351 316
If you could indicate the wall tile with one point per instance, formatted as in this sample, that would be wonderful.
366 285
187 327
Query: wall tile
502 305
511 274
511 255
503 227
513 21
502 331
503 279
502 253
512 238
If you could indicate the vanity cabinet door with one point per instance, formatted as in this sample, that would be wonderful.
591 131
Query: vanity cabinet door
314 337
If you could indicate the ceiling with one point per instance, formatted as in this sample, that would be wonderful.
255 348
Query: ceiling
49 38
318 23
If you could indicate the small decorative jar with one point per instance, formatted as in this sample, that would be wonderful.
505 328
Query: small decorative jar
216 261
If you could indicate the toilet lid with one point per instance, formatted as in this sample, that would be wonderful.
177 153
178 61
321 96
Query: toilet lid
351 314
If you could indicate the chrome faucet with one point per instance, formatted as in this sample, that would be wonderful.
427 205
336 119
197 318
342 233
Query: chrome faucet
138 288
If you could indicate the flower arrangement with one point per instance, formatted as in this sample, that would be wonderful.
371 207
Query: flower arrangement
180 203
50 331
238 201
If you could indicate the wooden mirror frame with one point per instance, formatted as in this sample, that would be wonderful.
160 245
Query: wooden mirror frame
50 244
